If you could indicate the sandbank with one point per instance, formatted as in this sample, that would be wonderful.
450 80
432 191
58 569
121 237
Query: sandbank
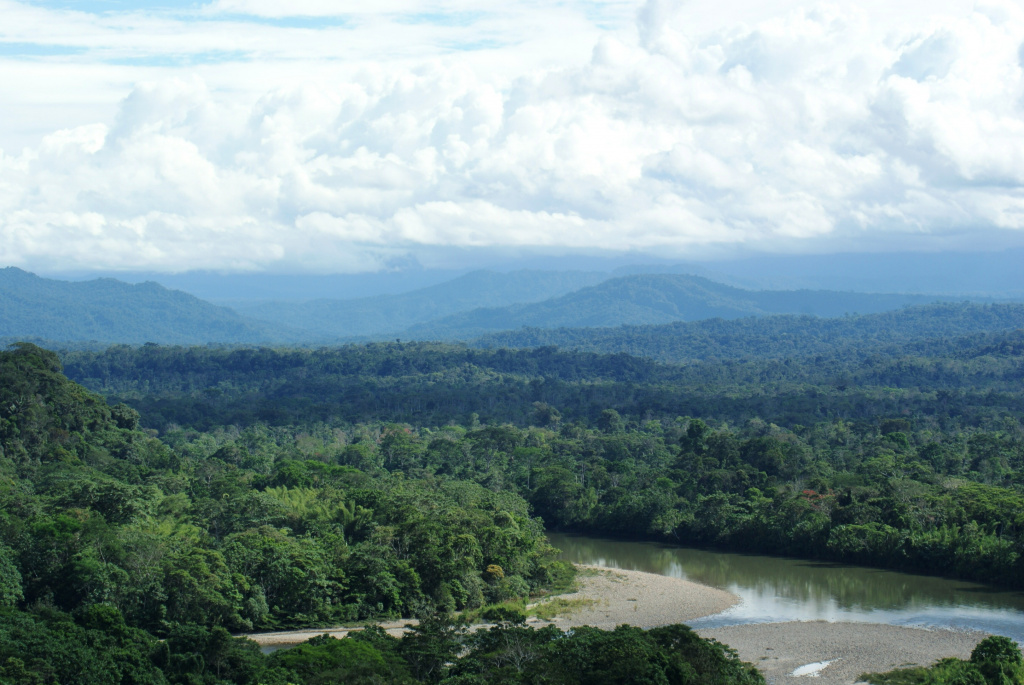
828 653
778 649
647 600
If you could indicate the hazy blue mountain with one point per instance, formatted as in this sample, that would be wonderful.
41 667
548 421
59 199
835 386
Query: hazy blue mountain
655 299
107 310
388 314
779 336
995 273
228 289
471 305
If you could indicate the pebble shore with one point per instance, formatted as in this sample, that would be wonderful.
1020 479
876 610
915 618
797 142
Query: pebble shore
851 649
777 649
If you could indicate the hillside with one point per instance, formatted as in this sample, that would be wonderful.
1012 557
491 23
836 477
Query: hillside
772 337
656 299
107 310
388 314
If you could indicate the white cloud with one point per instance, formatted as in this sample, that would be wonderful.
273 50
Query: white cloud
804 127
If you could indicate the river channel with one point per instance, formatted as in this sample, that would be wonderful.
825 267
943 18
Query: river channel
780 589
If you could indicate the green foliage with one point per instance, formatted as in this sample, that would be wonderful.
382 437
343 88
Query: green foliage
895 459
996 660
924 328
94 649
966 381
301 488
329 660
231 531
503 613
10 579
668 655
999 660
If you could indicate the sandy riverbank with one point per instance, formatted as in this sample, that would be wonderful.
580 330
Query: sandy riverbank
611 597
778 649
614 597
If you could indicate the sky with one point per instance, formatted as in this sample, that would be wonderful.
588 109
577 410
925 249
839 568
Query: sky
330 136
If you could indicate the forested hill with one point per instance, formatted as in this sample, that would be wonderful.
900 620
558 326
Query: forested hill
111 311
655 299
389 314
773 337
107 310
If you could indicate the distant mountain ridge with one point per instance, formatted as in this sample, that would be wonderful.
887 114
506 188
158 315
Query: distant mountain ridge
390 314
108 310
645 299
111 311
994 273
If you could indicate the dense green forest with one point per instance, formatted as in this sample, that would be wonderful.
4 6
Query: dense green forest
910 460
208 490
95 647
967 381
128 559
778 337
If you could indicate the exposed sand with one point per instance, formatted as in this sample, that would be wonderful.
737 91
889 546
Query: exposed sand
612 597
640 599
288 638
778 649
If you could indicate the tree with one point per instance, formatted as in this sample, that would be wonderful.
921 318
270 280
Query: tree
10 579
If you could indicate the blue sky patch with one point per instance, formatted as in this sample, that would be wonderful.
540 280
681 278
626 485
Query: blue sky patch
441 18
294 22
182 60
38 50
112 6
471 45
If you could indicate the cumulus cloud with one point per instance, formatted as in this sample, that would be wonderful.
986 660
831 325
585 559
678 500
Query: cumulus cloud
814 126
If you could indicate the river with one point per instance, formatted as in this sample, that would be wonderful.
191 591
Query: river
782 589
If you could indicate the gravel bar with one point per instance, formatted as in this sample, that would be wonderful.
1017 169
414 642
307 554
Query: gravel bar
851 649
796 652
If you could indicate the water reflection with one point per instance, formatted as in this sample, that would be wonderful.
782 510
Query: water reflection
778 589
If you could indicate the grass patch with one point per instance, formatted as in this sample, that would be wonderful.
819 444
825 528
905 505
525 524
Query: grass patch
558 606
901 676
593 572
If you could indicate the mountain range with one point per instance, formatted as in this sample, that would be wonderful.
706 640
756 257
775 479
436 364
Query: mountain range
464 308
392 314
654 299
107 310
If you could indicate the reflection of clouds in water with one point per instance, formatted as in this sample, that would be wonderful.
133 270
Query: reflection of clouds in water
777 589
755 608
